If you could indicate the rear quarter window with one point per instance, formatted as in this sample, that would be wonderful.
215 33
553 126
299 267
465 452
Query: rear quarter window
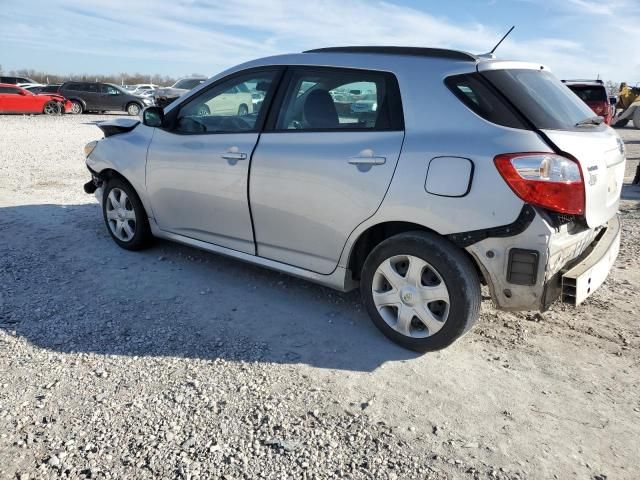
479 96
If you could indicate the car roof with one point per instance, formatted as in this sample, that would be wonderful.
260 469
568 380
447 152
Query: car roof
394 50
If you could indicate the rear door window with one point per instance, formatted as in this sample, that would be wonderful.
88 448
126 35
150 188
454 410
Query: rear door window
541 97
321 99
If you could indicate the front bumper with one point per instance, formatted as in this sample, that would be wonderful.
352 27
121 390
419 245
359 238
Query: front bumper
570 262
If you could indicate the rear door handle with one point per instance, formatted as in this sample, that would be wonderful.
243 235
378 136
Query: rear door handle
367 160
234 156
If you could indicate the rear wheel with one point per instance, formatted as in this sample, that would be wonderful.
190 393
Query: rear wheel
133 109
421 291
52 108
243 110
125 216
76 107
636 118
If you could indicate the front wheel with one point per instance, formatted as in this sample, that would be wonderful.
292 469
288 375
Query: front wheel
133 109
125 216
421 291
76 107
52 108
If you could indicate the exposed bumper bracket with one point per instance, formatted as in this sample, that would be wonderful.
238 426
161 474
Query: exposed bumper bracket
586 276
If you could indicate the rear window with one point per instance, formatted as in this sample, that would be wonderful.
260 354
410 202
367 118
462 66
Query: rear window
590 93
479 96
541 97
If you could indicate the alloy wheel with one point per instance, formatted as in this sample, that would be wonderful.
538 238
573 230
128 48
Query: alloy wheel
121 216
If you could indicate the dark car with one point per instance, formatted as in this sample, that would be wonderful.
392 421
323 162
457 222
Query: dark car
164 96
102 97
16 80
594 94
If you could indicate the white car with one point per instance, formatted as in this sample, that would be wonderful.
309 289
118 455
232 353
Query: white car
143 88
515 183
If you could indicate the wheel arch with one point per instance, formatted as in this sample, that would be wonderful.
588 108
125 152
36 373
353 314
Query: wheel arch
108 173
79 100
376 234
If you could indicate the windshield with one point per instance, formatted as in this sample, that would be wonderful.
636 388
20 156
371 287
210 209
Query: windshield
187 83
541 97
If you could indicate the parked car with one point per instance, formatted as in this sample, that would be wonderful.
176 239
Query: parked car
96 96
14 99
17 80
237 101
594 94
164 96
515 183
144 88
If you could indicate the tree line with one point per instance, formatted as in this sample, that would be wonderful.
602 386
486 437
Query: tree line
118 79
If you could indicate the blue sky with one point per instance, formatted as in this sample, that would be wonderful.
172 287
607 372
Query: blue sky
575 38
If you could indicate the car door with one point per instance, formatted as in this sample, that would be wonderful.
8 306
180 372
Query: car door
109 98
198 167
10 100
320 169
91 95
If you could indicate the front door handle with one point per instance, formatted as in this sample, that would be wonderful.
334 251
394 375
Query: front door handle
234 156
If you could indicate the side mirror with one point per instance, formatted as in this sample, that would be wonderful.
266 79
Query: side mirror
613 100
153 116
22 92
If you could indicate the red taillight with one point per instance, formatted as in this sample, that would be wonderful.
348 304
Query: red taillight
544 179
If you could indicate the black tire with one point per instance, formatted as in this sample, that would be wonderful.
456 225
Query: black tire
142 237
636 118
134 109
52 108
621 123
455 269
76 107
243 110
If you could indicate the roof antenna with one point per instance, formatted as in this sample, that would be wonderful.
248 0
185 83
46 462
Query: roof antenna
491 54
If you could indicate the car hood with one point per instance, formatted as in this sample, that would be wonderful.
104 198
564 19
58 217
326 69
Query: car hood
53 96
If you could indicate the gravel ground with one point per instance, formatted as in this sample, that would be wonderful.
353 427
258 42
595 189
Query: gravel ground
175 363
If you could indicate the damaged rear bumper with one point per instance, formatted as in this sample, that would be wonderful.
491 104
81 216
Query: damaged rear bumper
530 270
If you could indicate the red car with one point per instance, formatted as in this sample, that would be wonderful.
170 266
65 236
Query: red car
14 99
594 94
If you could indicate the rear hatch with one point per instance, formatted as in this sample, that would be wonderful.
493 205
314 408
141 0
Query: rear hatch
560 116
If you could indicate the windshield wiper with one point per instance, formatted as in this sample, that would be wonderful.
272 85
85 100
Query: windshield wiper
597 120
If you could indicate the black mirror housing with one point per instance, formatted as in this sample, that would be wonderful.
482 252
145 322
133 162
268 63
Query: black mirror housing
153 117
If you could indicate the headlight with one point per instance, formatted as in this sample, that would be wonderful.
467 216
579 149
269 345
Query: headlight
90 147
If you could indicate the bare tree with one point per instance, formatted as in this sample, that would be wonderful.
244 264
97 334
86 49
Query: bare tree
122 78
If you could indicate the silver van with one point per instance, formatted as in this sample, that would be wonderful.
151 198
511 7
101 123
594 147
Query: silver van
416 174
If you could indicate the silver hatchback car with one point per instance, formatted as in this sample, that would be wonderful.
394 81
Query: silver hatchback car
417 174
